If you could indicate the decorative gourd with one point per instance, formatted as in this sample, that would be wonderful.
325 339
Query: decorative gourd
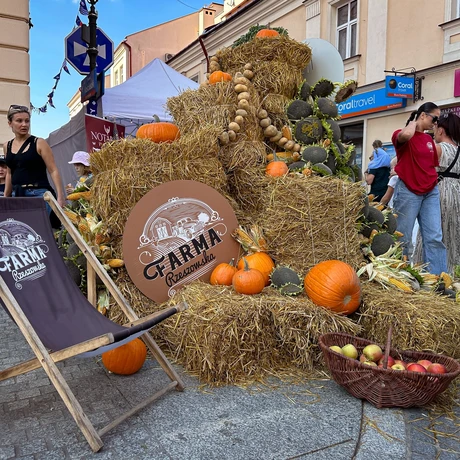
260 261
267 33
162 131
218 76
276 168
223 274
335 285
248 280
127 359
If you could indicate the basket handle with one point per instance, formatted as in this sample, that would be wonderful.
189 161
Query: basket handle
387 347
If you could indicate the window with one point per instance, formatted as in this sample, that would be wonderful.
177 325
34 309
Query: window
347 23
122 77
116 77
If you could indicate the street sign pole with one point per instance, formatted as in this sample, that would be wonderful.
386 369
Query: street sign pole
92 49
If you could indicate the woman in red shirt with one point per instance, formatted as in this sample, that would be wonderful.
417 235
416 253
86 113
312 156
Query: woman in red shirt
416 194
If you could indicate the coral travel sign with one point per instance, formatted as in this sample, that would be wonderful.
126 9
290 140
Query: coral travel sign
178 233
400 86
369 102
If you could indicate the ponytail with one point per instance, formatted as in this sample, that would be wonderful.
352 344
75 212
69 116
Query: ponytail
412 117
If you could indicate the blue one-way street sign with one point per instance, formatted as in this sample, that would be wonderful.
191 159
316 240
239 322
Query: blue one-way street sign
75 52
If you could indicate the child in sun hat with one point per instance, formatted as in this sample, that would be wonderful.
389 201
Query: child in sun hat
80 160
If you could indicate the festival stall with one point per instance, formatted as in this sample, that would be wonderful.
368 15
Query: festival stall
269 142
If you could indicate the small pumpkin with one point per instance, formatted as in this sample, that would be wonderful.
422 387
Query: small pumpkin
248 280
334 284
260 261
276 168
162 131
267 33
218 76
127 359
223 274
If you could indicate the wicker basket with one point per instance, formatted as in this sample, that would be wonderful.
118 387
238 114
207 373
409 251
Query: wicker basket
384 387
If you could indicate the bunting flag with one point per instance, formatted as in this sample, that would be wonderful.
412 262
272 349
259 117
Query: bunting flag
65 68
78 21
83 10
50 95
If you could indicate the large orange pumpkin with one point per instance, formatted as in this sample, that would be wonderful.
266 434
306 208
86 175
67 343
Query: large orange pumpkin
248 280
219 76
264 33
159 132
127 359
260 261
335 285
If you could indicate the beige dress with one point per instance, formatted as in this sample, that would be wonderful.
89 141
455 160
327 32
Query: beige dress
449 193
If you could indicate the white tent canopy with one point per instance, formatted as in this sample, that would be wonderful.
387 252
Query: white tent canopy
144 95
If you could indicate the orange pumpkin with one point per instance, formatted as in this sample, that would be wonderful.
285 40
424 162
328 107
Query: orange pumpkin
127 359
335 285
260 261
276 168
248 280
159 132
223 274
264 33
218 76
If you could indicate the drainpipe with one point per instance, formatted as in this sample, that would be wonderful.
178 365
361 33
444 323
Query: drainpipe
125 41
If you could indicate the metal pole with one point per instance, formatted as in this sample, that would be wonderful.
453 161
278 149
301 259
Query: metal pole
92 48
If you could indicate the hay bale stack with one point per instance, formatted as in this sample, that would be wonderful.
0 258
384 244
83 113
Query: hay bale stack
228 338
128 169
277 63
421 320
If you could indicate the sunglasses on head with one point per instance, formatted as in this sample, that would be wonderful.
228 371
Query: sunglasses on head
435 118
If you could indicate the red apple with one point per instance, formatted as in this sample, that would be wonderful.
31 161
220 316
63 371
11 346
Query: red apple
370 363
414 367
425 363
398 367
362 359
437 368
391 361
372 352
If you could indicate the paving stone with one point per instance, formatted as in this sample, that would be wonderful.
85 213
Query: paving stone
7 452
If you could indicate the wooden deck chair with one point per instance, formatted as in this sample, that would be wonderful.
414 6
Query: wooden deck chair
56 319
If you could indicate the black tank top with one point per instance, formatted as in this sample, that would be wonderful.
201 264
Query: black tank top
27 166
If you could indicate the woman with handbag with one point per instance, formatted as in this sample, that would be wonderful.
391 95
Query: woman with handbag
416 194
447 138
29 158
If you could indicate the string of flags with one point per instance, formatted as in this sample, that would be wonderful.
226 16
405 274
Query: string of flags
83 10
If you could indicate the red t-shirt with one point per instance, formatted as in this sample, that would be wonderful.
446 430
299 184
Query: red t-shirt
417 161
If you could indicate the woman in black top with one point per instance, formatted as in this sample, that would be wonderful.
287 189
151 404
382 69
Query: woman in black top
378 173
29 158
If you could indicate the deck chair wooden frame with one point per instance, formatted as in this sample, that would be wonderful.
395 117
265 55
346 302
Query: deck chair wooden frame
47 359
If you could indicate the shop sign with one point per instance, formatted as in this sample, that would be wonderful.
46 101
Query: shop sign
178 233
369 102
400 86
99 131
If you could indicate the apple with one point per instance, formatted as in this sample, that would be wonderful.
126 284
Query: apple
336 348
370 363
391 361
436 368
398 361
398 367
425 363
362 359
415 367
372 352
350 351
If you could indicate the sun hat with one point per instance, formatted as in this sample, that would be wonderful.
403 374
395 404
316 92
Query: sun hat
80 157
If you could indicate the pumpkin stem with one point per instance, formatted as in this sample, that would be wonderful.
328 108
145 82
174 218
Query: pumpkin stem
232 262
246 265
156 118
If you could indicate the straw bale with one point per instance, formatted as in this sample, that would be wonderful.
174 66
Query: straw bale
422 321
307 220
215 105
242 154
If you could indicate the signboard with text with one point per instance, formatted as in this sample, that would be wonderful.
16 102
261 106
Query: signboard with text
99 131
369 102
178 233
400 86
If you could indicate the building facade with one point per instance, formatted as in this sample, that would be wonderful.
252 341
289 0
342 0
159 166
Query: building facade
14 58
373 37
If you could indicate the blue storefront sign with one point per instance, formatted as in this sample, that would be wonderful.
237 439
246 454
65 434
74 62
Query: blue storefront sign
400 86
369 102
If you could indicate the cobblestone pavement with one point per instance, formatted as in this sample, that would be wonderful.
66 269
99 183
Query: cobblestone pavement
313 420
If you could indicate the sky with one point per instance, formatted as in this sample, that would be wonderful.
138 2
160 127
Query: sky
53 20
